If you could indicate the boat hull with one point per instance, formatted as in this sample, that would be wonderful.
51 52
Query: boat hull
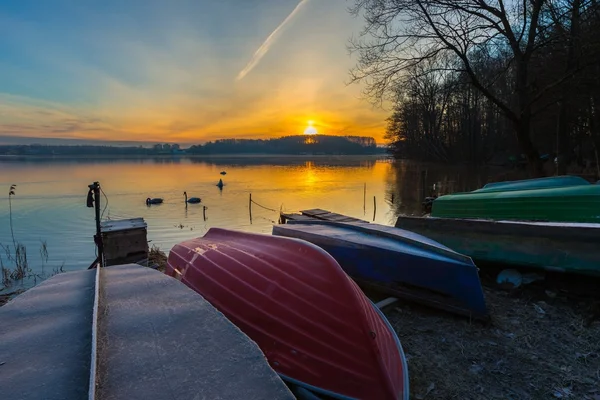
579 203
397 262
538 183
313 323
565 247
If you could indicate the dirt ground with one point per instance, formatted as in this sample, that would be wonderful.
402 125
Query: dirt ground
535 347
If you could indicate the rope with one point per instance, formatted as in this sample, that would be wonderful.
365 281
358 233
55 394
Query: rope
266 208
281 209
106 205
267 219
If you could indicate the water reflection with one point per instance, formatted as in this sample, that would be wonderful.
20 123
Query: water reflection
408 183
50 201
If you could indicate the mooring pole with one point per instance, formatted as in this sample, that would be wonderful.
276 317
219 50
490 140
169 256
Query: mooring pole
365 199
250 207
374 208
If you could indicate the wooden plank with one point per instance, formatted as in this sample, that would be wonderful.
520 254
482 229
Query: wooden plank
330 216
295 217
314 212
322 215
122 225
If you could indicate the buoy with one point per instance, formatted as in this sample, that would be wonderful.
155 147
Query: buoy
220 184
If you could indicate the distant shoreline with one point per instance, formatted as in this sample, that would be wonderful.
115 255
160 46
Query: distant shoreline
196 156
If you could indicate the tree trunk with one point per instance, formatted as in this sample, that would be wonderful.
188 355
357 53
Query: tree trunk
562 137
523 124
522 129
563 147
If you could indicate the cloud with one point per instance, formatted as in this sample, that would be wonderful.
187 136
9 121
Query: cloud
176 84
266 46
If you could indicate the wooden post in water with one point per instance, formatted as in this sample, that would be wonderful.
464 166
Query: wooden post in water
365 199
374 208
250 207
204 212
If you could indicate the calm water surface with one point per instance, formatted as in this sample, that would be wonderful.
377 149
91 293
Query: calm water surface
50 201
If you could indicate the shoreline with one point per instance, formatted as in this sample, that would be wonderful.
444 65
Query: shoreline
196 156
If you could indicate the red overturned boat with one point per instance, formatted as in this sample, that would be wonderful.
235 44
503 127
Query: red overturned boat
317 329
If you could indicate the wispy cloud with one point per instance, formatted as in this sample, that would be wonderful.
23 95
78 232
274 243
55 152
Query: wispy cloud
266 46
117 81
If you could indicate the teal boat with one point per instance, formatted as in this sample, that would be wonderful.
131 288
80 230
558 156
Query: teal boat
557 199
539 183
552 246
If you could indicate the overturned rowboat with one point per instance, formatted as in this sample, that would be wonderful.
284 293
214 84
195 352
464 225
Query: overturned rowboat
555 199
397 262
319 332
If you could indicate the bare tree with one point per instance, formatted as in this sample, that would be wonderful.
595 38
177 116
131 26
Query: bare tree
401 34
565 17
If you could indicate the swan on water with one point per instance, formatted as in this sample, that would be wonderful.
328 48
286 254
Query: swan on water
191 199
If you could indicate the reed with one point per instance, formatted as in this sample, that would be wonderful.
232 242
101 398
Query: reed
15 267
14 262
157 258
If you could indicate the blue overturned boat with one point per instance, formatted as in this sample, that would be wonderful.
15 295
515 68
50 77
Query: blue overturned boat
396 262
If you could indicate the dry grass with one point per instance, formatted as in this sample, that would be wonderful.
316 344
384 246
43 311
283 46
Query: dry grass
6 297
157 258
532 349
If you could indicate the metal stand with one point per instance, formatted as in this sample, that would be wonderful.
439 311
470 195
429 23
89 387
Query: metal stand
93 200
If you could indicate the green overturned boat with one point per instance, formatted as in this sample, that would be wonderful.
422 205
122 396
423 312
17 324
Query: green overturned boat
550 223
556 199
539 183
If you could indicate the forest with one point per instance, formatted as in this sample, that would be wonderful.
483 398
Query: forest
485 81
298 145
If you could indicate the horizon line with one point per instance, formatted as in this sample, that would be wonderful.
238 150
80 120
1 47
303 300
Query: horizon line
19 140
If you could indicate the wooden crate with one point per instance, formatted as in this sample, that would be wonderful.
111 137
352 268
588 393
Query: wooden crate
125 241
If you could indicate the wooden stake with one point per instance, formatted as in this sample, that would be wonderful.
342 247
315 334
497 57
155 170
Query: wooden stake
204 212
250 207
365 199
374 208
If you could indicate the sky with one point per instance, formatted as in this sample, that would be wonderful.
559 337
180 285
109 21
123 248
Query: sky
185 71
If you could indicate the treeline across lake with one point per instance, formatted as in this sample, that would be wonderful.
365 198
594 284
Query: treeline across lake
297 145
302 144
473 81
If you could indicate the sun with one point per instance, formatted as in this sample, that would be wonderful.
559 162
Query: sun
310 129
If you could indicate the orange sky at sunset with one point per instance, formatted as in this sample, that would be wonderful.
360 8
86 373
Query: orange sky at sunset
187 72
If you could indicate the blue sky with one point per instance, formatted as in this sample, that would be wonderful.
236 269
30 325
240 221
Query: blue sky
170 70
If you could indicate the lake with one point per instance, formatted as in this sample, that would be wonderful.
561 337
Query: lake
50 201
